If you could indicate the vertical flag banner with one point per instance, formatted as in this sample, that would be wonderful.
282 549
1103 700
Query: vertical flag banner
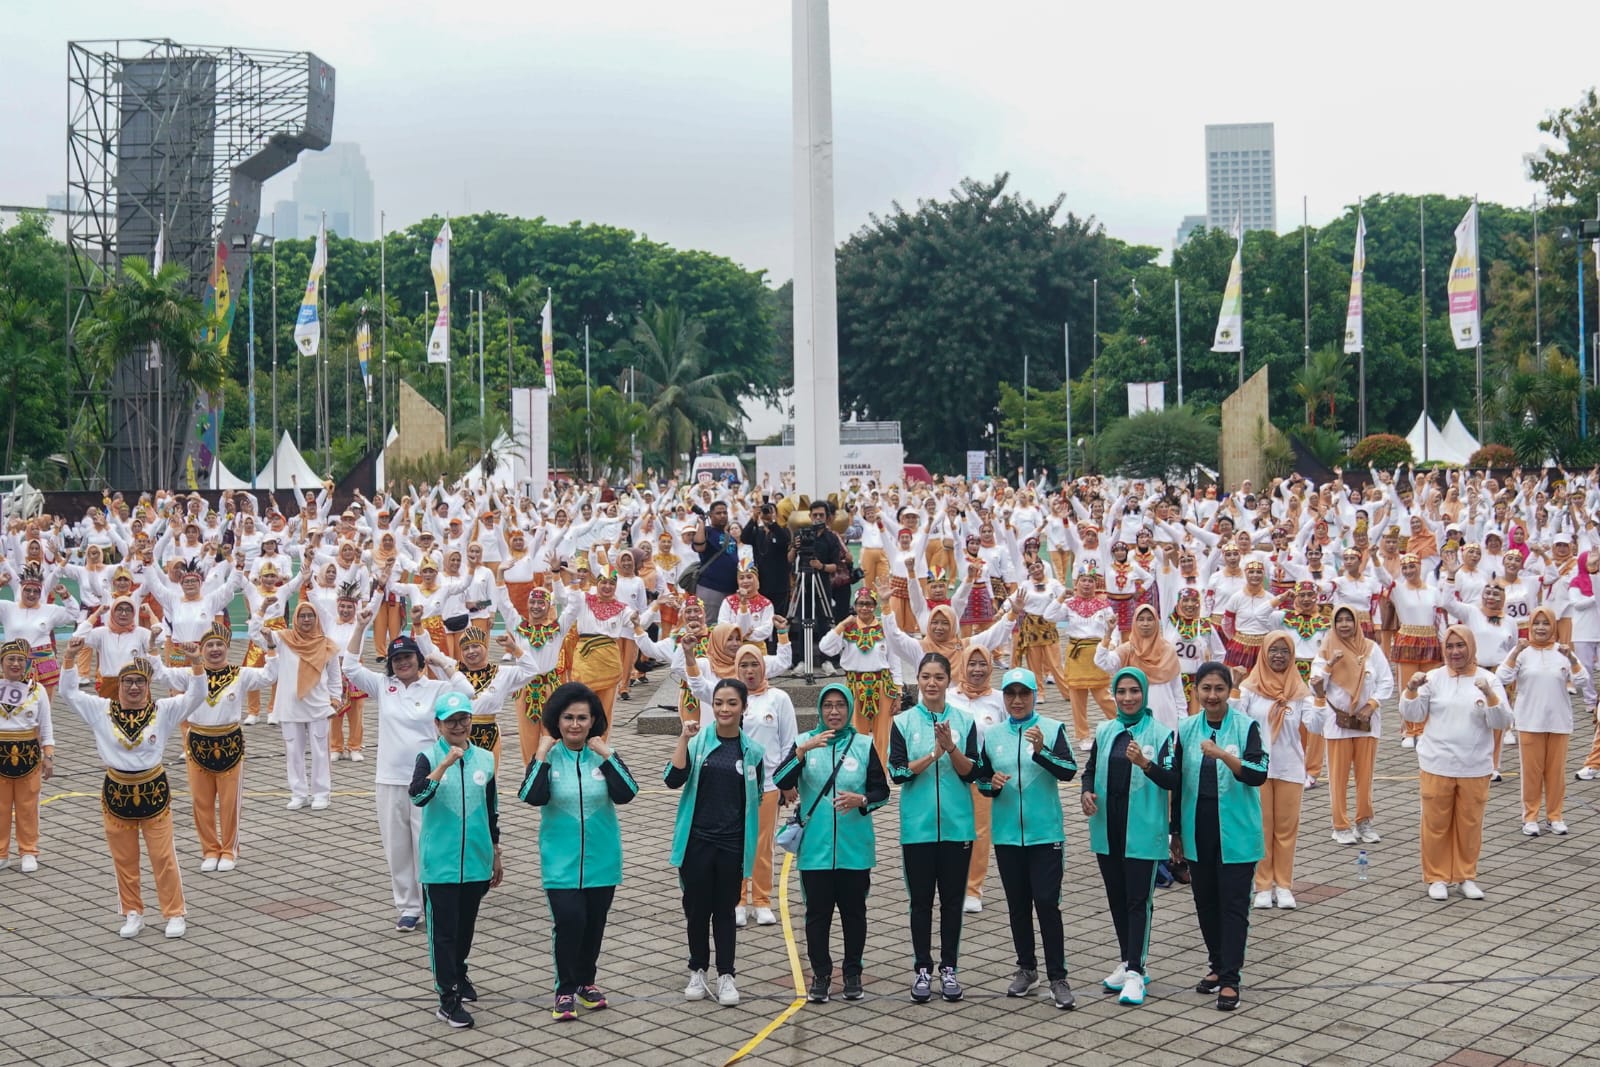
364 350
307 325
152 361
1462 288
1354 331
1230 323
439 342
549 350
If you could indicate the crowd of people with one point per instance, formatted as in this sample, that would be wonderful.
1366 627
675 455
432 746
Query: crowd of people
1239 647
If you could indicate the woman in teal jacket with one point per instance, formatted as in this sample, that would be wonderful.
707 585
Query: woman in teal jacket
1216 824
721 773
579 782
458 849
841 783
1125 794
933 756
1028 758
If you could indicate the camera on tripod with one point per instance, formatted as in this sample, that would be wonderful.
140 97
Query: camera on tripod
805 543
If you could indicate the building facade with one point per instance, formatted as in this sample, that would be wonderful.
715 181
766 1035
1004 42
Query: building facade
1241 176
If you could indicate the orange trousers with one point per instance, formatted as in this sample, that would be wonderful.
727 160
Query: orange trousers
387 625
978 865
874 567
19 801
1043 660
217 799
346 731
1452 826
1406 670
1344 755
123 840
1593 758
1544 774
1316 747
528 731
757 889
1080 709
1280 828
877 726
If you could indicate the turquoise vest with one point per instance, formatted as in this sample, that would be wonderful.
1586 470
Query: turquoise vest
1027 811
835 840
1149 814
700 745
580 840
1238 805
935 805
455 844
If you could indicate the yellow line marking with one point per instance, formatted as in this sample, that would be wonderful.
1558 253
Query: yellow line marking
794 969
63 796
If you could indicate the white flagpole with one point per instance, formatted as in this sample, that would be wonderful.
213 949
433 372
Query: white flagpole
1477 278
1305 275
1066 354
1177 332
1422 255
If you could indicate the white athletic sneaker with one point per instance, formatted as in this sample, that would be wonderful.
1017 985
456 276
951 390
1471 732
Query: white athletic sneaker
1116 979
1439 891
1557 827
319 803
1470 890
1132 989
1530 829
357 757
296 803
765 917
1509 739
1084 746
208 865
727 992
1587 774
1344 837
176 927
1366 833
972 905
132 927
1284 899
1263 899
741 915
696 989
30 863
1409 742
251 720
1311 781
224 865
272 718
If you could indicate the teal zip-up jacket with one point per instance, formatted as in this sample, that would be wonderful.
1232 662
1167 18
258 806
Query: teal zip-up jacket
1027 809
1146 807
936 804
836 841
460 815
1238 797
688 779
580 840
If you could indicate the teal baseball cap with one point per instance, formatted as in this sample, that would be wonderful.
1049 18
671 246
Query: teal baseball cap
1019 676
450 704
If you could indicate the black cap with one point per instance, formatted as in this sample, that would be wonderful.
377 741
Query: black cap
403 644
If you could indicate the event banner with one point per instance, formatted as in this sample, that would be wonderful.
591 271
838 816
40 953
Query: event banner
439 342
307 325
1463 285
1354 332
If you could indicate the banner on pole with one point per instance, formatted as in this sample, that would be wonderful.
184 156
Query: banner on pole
976 462
152 360
548 337
1462 288
1354 328
1230 323
439 341
364 350
308 324
1146 396
530 424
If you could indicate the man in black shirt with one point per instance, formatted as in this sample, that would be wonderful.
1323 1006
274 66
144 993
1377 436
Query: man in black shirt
824 558
769 544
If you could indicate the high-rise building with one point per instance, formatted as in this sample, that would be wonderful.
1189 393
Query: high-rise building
1241 176
284 221
335 181
1186 229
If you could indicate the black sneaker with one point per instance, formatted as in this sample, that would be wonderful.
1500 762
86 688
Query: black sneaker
922 987
465 991
1061 993
591 997
455 1015
566 1008
852 987
1023 983
821 987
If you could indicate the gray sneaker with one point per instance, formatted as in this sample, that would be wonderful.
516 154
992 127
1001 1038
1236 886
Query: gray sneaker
922 987
1023 983
949 988
1061 993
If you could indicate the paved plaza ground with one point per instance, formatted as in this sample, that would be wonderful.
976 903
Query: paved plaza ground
293 958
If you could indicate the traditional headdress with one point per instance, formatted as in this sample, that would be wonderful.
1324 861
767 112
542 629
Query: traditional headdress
138 667
219 631
14 647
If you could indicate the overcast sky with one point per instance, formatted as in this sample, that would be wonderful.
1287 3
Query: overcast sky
674 119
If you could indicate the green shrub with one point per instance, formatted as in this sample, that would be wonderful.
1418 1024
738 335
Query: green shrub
1381 450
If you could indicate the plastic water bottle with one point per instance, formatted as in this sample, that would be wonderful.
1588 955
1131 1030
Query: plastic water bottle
1361 866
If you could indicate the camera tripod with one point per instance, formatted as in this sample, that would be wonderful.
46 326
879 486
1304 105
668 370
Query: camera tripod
811 603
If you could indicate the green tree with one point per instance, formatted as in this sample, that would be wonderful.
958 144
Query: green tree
1159 444
596 435
1571 173
680 396
1039 422
1322 381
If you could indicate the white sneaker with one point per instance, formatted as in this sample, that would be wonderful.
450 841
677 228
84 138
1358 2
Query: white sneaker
741 915
727 992
972 905
1587 774
1132 989
224 865
1470 890
696 989
132 927
296 803
1510 739
1494 775
335 757
176 927
1557 827
208 865
1366 834
272 718
30 863
1531 829
319 803
765 917
1344 837
1263 899
357 757
1311 781
1439 891
1410 742
251 720
1284 899
1084 746
1116 979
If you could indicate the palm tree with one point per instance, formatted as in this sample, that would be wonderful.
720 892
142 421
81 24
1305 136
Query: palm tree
680 398
1319 382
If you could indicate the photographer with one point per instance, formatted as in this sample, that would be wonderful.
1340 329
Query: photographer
769 542
718 550
817 551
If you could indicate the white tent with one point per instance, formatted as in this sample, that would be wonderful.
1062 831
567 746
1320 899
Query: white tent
505 476
1437 447
1459 438
223 478
378 464
290 465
